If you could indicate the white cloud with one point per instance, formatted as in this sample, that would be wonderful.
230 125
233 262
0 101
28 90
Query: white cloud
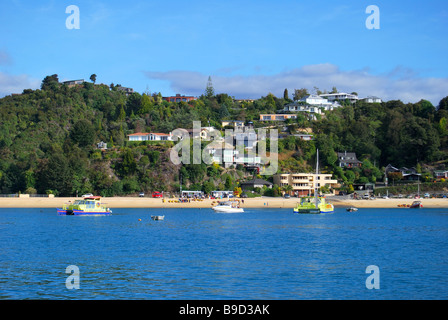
399 84
16 83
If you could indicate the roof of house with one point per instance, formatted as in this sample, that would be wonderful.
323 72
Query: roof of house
138 134
347 154
159 134
147 134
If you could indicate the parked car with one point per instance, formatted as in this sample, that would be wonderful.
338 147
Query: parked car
243 195
157 194
141 194
286 196
87 195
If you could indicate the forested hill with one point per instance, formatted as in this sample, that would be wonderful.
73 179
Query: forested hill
48 139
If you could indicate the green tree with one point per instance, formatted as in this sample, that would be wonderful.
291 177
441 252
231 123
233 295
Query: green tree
82 133
145 105
209 90
55 175
129 165
50 82
443 104
286 94
228 183
93 78
300 93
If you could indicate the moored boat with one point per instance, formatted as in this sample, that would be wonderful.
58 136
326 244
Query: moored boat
416 204
158 218
316 204
352 209
313 205
228 207
89 206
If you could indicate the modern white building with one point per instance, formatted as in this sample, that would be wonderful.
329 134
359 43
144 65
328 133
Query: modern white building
372 99
318 101
153 136
225 153
340 96
301 107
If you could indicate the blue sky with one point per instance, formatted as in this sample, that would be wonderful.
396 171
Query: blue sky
249 48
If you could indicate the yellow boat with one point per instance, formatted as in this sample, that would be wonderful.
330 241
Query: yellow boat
313 205
88 206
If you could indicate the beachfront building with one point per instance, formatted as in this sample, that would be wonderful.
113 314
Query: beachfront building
255 183
408 174
218 194
303 184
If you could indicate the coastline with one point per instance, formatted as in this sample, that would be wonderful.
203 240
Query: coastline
262 202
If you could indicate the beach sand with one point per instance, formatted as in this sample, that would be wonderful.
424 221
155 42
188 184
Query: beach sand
262 202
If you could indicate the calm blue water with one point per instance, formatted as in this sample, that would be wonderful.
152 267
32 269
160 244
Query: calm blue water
198 254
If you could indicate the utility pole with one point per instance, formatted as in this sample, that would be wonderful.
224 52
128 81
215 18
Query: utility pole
180 192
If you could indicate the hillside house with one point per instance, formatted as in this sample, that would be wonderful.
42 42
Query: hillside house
372 99
340 96
179 98
441 174
150 136
256 183
409 174
277 117
348 160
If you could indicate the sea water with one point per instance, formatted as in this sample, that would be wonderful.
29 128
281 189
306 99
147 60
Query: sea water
266 254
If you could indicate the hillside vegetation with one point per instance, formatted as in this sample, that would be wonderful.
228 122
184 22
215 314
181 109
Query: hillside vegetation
48 139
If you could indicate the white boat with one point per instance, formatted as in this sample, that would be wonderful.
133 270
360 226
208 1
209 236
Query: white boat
158 218
228 207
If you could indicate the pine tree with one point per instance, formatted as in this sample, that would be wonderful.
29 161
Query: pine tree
209 90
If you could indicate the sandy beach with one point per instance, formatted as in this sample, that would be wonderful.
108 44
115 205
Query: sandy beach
263 202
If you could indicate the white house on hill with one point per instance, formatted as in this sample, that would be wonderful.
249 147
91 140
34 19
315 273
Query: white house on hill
341 96
150 136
